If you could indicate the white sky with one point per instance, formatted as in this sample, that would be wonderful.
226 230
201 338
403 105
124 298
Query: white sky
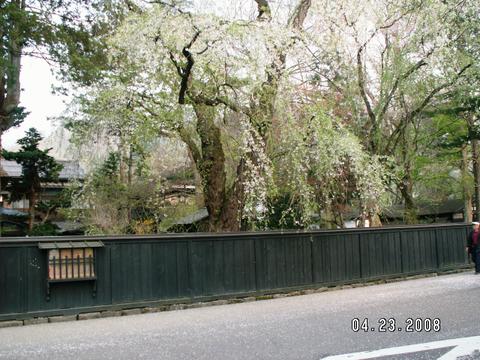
36 81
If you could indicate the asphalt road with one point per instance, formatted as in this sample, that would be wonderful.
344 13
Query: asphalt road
301 327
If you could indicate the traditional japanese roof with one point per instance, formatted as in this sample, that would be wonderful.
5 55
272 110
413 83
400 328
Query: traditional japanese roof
193 218
12 212
71 170
450 206
424 209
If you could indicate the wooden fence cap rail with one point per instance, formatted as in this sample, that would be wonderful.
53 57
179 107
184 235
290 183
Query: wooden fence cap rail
70 245
226 235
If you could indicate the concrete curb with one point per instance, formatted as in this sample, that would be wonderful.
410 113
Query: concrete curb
110 313
237 300
34 321
136 311
62 318
89 316
11 323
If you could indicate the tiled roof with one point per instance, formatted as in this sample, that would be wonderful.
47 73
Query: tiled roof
71 170
12 212
193 218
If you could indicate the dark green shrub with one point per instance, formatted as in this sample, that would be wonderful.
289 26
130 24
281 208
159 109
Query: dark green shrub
46 229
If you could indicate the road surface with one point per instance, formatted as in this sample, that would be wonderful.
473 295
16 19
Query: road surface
313 326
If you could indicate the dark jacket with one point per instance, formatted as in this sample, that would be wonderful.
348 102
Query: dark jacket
470 240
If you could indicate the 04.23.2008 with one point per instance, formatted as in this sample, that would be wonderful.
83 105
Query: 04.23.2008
392 325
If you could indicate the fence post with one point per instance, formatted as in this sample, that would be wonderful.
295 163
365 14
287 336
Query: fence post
402 268
360 255
312 264
436 249
189 267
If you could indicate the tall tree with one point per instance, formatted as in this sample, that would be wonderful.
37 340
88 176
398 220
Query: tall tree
205 63
37 167
67 32
404 61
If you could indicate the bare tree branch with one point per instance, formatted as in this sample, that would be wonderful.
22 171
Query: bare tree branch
192 146
221 100
362 87
186 71
176 64
397 82
410 116
435 91
299 14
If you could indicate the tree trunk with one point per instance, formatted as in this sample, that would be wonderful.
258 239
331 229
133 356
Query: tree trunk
231 218
406 184
199 201
467 192
122 158
130 165
31 208
224 207
410 212
406 189
327 218
10 88
374 220
476 179
264 110
211 166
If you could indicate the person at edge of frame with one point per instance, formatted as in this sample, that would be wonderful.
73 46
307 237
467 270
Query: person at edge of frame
473 246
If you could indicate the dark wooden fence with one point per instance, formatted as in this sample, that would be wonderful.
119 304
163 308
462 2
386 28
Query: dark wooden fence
135 271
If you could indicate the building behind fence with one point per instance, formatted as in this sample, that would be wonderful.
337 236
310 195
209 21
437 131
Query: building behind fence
71 275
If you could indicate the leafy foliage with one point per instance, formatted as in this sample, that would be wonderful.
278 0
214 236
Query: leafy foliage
37 167
285 125
327 168
70 33
106 205
44 229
